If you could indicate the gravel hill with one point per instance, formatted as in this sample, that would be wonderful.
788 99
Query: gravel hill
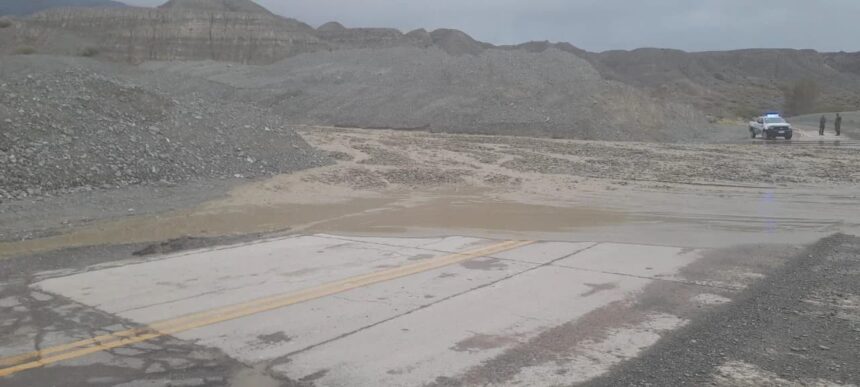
216 6
473 87
551 93
74 124
191 111
737 83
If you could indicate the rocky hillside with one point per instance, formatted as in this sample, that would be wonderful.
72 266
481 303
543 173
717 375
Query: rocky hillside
370 77
727 84
339 36
735 83
76 124
551 93
442 79
28 7
216 6
177 32
222 30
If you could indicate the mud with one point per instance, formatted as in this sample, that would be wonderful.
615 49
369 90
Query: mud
471 213
191 223
173 245
422 184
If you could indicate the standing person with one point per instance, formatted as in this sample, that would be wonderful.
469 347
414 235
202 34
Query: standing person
838 124
821 124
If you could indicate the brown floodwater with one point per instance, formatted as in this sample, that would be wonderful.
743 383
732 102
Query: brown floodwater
390 216
201 222
453 214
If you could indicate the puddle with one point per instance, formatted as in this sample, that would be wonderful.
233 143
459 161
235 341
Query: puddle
253 377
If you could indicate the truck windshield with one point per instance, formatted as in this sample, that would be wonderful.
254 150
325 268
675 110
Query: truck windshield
774 120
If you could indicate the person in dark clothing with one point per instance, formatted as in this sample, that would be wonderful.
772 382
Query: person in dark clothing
821 125
838 124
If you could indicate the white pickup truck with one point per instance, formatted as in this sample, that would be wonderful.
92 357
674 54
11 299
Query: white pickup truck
770 126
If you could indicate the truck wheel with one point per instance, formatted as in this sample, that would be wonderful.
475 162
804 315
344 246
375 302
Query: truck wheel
788 136
752 133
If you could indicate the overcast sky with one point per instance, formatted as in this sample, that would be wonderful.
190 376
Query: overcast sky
598 25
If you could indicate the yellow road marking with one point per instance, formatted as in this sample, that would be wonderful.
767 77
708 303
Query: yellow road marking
18 363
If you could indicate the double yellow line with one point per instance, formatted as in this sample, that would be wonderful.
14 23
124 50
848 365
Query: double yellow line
14 364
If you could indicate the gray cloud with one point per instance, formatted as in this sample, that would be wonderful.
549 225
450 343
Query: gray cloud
597 25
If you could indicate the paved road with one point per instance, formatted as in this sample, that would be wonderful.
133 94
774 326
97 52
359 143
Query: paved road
332 310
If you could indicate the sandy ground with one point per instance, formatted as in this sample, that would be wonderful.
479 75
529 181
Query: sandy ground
629 243
424 184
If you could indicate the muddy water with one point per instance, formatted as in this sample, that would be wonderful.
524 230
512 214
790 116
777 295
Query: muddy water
209 222
453 214
387 215
690 218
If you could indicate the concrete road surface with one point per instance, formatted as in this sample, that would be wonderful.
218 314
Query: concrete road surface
343 311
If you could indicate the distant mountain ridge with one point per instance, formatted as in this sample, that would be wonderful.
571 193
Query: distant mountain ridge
217 6
726 84
738 82
28 7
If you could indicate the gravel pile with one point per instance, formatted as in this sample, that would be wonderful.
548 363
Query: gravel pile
515 92
69 125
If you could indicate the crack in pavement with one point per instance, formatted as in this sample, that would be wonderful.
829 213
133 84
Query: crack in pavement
59 316
286 358
362 301
174 326
450 252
